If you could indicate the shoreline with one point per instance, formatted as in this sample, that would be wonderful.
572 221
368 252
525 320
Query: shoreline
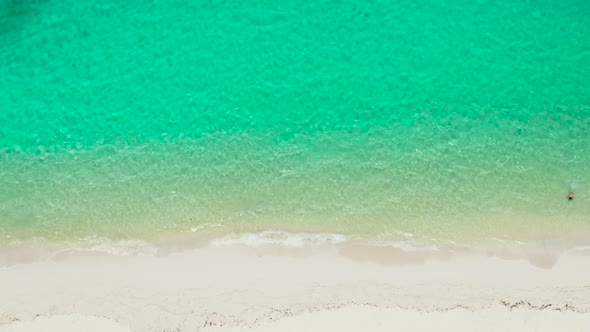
196 285
469 231
25 252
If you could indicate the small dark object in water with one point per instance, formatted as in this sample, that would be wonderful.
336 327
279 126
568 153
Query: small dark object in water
571 196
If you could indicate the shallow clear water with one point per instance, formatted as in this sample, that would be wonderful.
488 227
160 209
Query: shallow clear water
444 119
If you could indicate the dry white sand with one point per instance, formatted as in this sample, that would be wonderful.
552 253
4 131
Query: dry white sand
272 288
67 323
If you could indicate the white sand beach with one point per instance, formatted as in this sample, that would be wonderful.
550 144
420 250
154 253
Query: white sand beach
338 287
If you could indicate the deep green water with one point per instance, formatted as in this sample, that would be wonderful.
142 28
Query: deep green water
445 119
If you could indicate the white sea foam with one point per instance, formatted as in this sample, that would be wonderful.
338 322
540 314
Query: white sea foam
116 248
395 234
404 234
403 240
271 237
205 226
578 249
407 246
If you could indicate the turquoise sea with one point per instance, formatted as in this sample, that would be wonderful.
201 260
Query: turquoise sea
448 119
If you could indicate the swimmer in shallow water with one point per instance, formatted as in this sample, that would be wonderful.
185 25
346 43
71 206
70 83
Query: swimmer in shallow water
571 195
